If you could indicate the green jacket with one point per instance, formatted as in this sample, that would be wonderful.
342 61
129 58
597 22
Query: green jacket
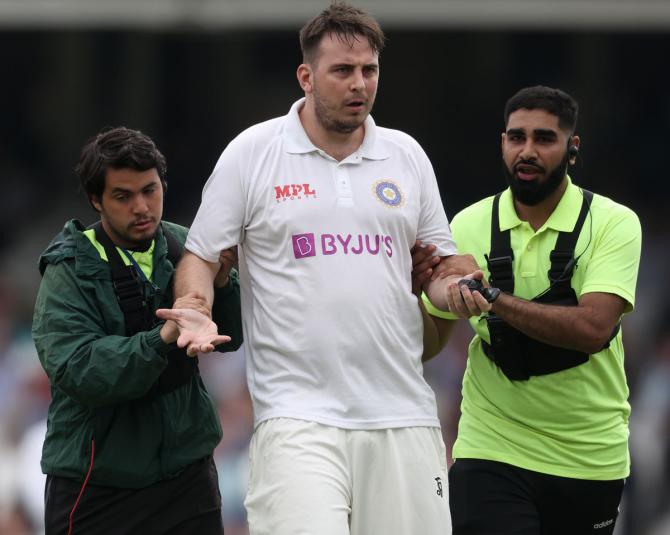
103 409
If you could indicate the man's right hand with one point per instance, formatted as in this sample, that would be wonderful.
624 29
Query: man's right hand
463 302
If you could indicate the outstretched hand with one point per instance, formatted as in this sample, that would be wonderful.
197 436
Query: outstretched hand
197 332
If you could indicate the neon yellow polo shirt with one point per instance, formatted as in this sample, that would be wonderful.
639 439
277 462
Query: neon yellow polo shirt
144 259
573 423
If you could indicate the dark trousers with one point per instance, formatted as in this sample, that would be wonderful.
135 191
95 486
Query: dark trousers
492 498
187 504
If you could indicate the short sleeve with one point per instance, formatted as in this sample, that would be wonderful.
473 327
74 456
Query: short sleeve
614 263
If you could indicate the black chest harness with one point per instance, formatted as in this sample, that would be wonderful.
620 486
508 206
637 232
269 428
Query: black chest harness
516 354
139 314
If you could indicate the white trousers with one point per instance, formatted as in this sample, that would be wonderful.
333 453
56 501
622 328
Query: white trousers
311 479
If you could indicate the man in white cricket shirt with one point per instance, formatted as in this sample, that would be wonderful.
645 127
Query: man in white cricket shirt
325 206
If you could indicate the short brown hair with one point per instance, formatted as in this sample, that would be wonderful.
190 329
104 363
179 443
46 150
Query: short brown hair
346 22
117 148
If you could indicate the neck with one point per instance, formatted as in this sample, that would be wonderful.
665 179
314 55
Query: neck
339 145
118 241
537 215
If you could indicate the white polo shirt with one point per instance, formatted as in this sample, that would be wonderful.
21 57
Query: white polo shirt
333 332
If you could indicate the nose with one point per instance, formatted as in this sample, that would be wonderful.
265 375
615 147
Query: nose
528 151
357 80
140 206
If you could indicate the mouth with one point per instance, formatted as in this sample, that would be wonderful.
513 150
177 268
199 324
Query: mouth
142 225
527 171
356 105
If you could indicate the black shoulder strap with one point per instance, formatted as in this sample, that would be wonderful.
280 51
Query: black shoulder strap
500 258
174 249
563 256
127 285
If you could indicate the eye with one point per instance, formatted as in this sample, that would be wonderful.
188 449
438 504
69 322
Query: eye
121 197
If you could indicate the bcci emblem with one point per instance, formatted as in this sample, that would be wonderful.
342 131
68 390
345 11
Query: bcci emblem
388 193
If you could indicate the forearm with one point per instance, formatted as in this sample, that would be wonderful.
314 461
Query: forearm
449 271
195 275
580 327
98 370
436 332
437 291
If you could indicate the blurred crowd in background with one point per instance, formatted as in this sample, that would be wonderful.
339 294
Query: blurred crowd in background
193 91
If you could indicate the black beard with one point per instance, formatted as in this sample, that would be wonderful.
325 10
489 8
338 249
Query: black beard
533 192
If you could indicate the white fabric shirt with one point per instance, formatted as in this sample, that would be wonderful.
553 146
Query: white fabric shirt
333 332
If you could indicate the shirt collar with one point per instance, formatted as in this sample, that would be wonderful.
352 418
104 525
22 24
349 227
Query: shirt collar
562 219
296 140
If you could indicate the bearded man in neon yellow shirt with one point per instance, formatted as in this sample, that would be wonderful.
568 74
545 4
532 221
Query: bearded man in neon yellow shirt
542 442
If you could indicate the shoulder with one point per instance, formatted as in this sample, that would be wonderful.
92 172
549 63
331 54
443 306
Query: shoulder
610 209
398 140
476 211
179 232
259 134
64 245
608 213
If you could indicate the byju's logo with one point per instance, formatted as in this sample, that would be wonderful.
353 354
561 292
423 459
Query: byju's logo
306 245
303 245
292 192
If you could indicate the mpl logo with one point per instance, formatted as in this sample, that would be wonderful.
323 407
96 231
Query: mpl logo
307 245
294 191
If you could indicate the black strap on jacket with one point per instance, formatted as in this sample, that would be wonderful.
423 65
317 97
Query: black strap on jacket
518 355
138 312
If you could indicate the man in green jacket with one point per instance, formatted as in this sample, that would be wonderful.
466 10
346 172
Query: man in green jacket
131 427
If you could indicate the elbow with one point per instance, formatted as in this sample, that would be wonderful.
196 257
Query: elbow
596 339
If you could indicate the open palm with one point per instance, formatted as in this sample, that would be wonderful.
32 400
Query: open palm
197 332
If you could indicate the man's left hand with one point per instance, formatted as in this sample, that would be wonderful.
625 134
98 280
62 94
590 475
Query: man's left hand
228 259
197 332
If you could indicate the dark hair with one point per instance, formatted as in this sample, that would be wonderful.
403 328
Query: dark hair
344 21
117 148
552 100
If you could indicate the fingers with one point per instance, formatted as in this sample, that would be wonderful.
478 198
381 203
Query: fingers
229 256
463 302
193 347
168 314
456 265
423 262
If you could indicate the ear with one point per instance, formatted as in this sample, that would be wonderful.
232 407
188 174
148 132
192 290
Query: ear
503 137
305 79
95 202
575 142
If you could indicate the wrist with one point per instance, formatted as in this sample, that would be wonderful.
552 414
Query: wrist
169 332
